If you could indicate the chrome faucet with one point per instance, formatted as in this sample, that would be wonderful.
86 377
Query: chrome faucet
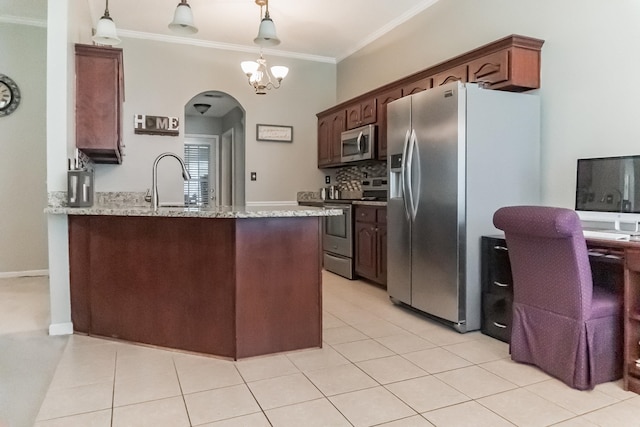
154 183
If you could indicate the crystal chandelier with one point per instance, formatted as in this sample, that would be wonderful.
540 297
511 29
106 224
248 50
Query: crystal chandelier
260 77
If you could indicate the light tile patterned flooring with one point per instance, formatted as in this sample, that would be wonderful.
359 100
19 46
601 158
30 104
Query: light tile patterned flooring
380 365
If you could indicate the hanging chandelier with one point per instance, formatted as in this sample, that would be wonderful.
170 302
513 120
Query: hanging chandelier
260 77
105 33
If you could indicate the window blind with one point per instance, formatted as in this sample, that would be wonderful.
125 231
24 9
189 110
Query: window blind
196 158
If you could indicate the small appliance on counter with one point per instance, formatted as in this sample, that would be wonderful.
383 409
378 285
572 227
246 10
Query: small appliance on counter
79 188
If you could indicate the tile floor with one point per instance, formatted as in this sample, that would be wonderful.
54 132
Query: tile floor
380 365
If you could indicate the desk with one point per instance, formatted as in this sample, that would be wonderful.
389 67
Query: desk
614 262
627 255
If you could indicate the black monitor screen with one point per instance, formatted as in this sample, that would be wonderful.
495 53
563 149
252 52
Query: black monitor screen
608 184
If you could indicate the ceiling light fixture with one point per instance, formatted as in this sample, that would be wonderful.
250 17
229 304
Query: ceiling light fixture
257 72
259 76
267 30
183 19
201 108
105 33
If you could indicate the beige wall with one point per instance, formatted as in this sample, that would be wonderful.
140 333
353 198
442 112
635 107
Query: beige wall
160 78
23 241
589 61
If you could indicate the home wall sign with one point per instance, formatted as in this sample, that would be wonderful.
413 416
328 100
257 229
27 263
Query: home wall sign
155 125
274 133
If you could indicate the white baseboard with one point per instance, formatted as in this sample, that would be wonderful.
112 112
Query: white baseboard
61 328
28 273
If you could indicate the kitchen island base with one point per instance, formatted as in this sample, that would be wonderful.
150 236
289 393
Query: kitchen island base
231 287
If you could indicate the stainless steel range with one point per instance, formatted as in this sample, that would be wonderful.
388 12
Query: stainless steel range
337 237
337 240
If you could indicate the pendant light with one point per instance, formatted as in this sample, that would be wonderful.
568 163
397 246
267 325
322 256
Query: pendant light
106 30
267 30
183 19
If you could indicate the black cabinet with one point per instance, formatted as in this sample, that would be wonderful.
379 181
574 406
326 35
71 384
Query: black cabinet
497 288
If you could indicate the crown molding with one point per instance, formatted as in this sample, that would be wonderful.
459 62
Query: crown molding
9 19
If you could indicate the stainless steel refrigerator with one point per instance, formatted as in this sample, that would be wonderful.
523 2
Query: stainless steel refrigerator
456 153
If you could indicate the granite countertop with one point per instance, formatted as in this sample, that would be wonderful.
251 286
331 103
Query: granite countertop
121 204
199 212
312 198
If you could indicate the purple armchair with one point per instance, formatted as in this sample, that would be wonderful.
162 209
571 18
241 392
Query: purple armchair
562 323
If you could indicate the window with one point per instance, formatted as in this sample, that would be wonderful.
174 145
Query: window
196 158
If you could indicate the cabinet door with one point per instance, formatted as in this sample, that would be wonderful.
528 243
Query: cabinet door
362 113
491 69
382 253
382 101
324 141
337 127
365 263
99 97
417 86
330 127
368 112
458 73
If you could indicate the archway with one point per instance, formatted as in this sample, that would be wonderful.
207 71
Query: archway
215 149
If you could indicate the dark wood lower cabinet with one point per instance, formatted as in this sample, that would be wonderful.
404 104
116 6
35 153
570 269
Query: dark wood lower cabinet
371 243
228 287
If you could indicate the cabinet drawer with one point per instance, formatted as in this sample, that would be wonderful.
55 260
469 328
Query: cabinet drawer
496 316
499 268
365 214
381 215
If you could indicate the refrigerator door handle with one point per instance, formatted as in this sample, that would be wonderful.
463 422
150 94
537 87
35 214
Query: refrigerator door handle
413 148
411 205
403 175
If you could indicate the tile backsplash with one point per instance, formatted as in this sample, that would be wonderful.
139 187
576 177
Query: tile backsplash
349 177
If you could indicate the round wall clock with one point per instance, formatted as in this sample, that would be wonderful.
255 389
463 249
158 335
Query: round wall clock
9 96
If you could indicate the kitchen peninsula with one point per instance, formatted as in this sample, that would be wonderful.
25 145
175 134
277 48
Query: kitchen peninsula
233 282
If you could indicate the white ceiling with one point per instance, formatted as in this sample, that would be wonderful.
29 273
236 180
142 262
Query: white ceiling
320 30
323 30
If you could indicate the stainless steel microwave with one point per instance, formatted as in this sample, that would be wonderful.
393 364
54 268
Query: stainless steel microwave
358 144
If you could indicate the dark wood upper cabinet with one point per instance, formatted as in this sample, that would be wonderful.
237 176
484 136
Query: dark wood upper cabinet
99 98
362 113
490 70
383 99
329 129
417 86
511 63
455 74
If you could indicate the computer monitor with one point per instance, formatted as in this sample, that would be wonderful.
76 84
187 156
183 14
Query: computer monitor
608 190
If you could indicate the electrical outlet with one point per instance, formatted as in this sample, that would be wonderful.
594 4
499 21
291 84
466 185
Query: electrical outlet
327 179
254 176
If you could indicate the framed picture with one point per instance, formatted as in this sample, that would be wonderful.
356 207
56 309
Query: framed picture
274 133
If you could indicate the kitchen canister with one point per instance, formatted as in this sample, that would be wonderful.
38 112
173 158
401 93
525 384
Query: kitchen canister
79 188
